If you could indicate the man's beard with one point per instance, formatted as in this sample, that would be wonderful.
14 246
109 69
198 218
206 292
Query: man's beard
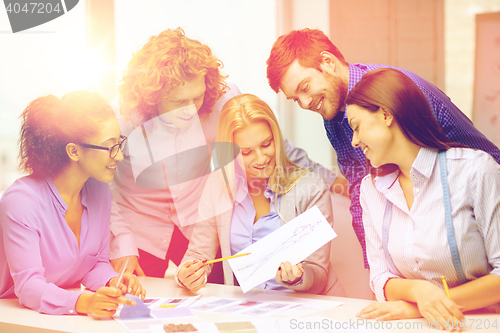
335 95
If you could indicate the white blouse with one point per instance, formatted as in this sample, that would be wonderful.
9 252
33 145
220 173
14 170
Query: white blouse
418 241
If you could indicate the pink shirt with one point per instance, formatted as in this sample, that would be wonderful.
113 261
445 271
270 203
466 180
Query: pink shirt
41 251
144 218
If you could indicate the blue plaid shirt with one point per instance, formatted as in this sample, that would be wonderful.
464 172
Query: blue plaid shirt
352 162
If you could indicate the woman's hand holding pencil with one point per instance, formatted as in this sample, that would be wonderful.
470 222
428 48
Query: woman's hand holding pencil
105 301
192 275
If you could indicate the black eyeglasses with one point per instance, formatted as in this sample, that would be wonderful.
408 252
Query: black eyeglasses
113 151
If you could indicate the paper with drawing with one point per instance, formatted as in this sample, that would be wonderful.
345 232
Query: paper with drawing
292 242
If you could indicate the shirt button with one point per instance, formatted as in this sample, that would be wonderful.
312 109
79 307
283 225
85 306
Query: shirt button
164 241
71 311
417 190
415 269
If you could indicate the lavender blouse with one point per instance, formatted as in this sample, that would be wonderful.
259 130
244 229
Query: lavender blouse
39 254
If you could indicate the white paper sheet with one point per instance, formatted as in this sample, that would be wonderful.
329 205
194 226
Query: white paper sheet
161 308
293 242
262 305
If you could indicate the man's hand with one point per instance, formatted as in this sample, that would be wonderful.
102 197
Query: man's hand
340 186
130 284
132 267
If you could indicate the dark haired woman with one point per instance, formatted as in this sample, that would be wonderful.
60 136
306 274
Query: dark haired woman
430 207
55 222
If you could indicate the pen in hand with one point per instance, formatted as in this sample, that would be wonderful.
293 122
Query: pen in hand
120 277
445 285
446 289
225 258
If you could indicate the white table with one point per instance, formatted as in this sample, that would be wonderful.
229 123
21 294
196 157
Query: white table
14 318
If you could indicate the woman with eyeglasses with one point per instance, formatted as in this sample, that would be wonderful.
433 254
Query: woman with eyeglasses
54 222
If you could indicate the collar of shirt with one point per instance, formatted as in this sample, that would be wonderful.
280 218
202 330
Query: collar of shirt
421 169
60 200
356 72
242 191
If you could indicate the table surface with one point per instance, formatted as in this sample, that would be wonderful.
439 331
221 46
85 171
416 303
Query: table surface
14 318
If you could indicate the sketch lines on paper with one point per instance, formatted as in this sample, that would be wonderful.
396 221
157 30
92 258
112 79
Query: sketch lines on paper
297 235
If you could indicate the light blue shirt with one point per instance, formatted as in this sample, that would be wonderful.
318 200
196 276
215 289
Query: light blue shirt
244 232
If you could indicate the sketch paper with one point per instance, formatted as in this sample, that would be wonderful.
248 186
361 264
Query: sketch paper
292 242
249 307
161 308
212 303
262 305
295 308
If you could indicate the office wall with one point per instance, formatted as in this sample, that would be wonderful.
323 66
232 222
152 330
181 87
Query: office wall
460 43
49 59
240 34
407 34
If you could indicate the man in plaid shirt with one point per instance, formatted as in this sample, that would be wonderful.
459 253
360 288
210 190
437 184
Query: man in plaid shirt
309 69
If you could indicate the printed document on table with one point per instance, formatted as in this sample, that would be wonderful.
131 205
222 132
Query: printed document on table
292 242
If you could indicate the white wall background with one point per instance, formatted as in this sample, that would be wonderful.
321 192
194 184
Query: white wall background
240 33
52 58
308 131
460 46
44 60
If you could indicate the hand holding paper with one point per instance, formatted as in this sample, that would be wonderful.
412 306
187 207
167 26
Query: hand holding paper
289 274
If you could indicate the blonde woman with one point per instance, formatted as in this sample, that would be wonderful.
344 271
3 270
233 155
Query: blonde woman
266 191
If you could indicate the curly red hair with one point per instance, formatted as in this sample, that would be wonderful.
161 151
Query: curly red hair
168 60
305 45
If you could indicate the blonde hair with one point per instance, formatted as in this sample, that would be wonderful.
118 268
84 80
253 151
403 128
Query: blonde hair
243 110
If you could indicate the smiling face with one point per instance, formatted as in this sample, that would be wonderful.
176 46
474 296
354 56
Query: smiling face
180 105
371 133
322 92
96 163
256 142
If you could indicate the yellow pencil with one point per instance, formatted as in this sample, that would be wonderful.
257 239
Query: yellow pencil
225 258
446 289
445 285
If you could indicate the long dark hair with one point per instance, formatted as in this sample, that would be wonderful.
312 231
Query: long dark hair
397 94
